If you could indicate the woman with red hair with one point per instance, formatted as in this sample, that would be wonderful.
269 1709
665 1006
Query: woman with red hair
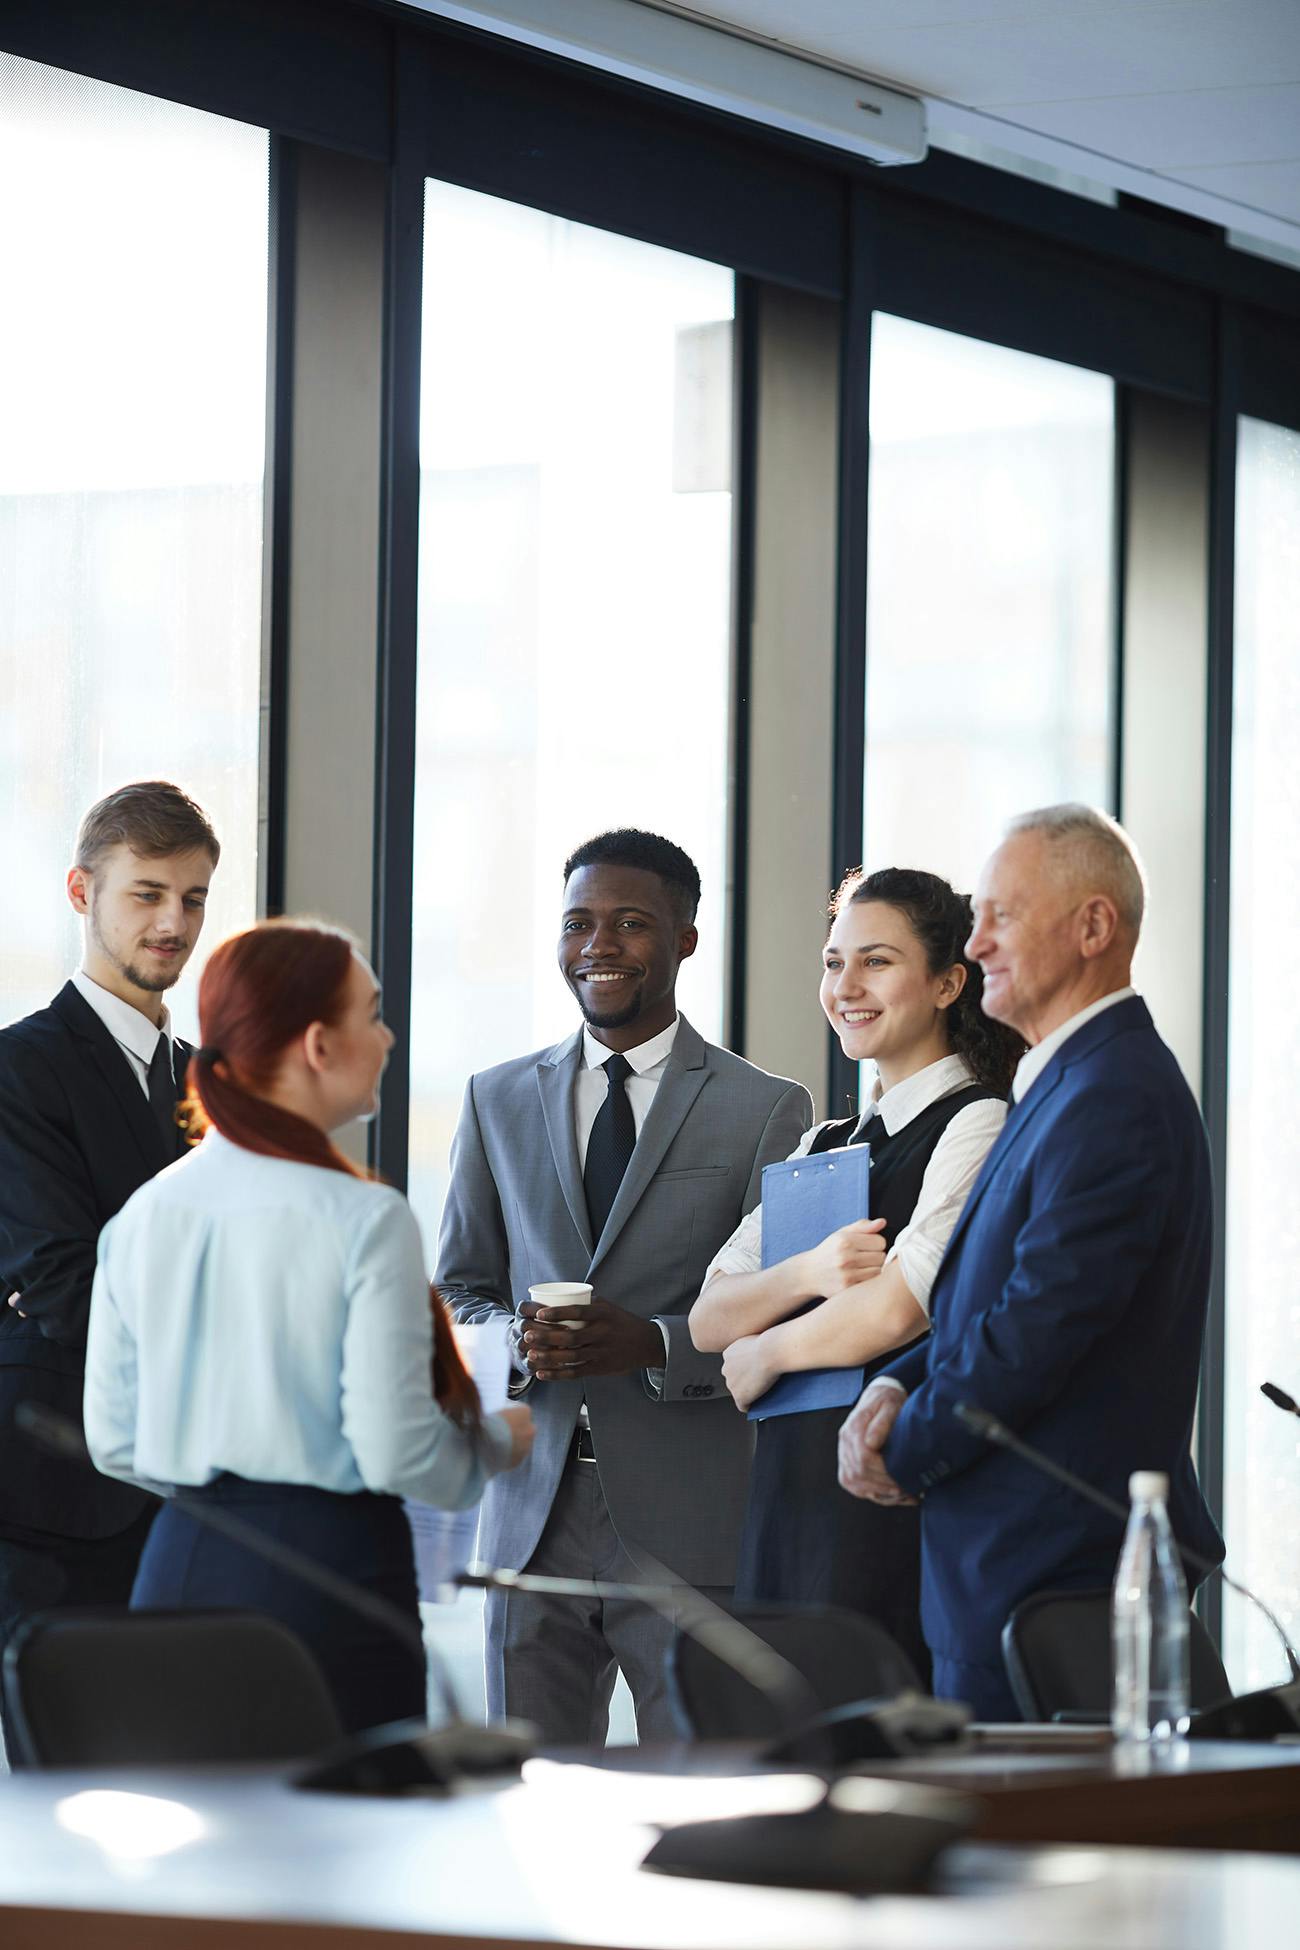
262 1329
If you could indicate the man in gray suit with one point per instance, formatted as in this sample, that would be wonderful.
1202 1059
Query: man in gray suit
622 1158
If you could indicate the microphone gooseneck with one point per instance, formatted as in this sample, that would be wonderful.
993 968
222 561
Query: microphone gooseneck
779 1682
59 1436
979 1421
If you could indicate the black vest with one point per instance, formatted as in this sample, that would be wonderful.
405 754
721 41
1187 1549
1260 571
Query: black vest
898 1165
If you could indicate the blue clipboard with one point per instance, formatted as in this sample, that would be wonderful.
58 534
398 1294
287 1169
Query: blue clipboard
804 1201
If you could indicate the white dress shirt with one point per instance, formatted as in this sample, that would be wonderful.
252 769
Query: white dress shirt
647 1061
1035 1061
271 1318
952 1170
133 1033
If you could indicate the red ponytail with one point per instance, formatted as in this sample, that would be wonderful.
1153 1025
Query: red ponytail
260 991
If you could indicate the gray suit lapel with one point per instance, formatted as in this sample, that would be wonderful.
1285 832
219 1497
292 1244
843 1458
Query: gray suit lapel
681 1083
556 1076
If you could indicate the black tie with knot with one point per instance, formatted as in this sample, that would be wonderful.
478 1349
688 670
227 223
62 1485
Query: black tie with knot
610 1146
162 1095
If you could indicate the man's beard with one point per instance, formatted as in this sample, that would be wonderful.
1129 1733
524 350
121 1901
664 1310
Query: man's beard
620 1021
152 981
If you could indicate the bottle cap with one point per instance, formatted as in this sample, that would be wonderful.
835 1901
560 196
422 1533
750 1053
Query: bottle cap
1144 1484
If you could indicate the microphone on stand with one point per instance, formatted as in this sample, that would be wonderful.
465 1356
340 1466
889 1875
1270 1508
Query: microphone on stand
860 1836
1279 1397
1251 1716
781 1684
380 1760
827 1739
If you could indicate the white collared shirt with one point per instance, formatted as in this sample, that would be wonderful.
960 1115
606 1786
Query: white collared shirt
134 1034
1035 1061
271 1318
953 1168
648 1063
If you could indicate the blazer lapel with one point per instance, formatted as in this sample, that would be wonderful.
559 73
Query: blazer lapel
102 1050
682 1081
1128 1015
556 1076
1019 1118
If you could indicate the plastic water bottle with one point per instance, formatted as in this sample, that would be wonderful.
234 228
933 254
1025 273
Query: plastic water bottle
1149 1622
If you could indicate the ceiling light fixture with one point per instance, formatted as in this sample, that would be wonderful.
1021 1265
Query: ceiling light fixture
701 63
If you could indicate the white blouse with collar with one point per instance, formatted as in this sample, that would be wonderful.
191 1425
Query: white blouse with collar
272 1319
953 1168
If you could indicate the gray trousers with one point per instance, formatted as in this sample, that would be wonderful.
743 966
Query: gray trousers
554 1660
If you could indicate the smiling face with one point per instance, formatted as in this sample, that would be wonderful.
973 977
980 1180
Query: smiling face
1028 937
143 918
879 994
622 940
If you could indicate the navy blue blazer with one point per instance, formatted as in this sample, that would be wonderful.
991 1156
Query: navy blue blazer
77 1137
1071 1303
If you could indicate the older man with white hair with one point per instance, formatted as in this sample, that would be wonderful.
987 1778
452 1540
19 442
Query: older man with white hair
1071 1300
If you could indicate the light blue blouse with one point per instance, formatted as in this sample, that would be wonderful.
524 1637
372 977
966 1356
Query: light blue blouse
272 1319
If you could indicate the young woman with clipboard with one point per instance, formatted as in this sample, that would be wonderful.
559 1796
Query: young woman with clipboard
898 990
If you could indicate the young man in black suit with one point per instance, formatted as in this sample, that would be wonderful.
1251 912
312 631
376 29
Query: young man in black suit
88 1094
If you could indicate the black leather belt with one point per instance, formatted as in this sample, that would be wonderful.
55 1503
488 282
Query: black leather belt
584 1449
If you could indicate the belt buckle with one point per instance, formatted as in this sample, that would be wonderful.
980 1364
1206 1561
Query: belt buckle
584 1449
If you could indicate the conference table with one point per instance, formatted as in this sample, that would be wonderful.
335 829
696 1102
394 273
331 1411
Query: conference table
235 1859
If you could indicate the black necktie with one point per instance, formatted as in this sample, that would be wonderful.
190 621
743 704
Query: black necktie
611 1144
162 1094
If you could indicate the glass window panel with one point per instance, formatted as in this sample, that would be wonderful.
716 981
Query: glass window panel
574 621
1261 1445
989 594
132 398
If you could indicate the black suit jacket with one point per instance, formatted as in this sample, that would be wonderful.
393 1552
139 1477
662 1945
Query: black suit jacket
77 1137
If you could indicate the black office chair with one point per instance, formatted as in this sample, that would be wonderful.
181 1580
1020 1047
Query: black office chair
842 1655
109 1687
1056 1649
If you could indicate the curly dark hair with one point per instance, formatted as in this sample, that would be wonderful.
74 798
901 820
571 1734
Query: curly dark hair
941 919
630 846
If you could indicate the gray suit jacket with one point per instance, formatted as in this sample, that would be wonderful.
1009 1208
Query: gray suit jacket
674 1468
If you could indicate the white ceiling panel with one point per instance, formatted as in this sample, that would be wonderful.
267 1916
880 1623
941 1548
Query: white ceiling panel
1211 128
1206 92
1040 50
1273 187
1195 103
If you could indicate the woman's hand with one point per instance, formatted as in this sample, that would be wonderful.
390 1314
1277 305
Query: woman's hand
846 1258
749 1369
519 1420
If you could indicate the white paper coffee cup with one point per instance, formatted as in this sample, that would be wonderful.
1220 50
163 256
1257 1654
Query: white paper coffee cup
562 1293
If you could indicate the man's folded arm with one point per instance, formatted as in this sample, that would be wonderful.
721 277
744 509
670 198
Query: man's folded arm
49 1219
1102 1195
908 1371
687 1375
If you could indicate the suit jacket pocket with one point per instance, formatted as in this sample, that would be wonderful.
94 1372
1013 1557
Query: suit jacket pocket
690 1171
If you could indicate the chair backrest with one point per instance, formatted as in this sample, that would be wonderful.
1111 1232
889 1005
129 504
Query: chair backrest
1056 1648
842 1655
109 1687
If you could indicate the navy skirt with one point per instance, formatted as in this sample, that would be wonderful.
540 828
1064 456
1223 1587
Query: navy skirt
808 1542
374 1676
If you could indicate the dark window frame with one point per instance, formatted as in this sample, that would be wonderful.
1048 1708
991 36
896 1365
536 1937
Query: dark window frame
1151 299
